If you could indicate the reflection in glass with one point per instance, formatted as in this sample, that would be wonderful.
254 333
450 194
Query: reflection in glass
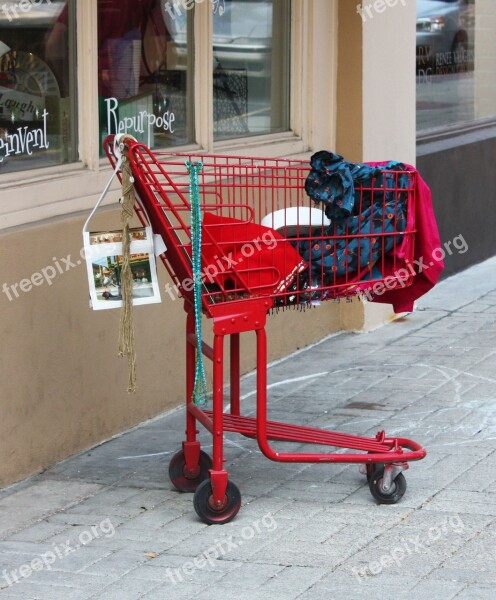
251 67
456 65
37 124
143 84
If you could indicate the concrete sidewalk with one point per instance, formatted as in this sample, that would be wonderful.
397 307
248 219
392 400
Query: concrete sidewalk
108 525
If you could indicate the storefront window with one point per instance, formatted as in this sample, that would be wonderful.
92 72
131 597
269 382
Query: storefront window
37 66
145 70
251 67
456 62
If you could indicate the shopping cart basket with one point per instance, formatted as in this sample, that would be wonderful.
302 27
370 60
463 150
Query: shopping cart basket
244 277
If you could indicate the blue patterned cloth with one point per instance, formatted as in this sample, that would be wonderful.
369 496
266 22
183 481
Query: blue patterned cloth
363 216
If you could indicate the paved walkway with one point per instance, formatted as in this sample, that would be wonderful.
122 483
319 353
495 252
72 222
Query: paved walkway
107 525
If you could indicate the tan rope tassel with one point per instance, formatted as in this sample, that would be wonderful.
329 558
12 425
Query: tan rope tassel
126 328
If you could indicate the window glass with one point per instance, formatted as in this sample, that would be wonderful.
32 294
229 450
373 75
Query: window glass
145 70
37 89
456 62
250 67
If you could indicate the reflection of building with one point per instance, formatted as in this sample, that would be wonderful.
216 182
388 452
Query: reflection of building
140 268
322 78
456 109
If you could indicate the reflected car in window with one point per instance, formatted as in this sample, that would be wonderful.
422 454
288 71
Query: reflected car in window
242 36
445 35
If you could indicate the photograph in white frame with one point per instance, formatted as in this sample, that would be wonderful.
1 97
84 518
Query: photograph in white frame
103 252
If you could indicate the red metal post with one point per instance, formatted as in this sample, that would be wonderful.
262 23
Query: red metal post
262 395
235 374
191 430
191 447
218 475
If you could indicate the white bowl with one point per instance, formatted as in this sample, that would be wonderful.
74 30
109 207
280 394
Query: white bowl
297 221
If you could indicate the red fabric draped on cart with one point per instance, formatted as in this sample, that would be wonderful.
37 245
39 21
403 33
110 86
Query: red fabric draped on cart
252 258
427 264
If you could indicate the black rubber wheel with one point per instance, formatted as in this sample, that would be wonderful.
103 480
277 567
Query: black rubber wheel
203 503
394 494
188 482
372 468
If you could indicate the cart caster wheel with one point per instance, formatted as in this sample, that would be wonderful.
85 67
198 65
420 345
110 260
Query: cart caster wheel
394 494
203 503
373 468
188 482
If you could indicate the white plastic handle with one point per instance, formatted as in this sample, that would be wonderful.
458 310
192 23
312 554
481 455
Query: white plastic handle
118 154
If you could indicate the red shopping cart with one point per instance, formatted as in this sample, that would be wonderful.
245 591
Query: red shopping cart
248 269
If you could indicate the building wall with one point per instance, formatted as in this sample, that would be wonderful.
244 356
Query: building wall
458 163
388 85
376 99
349 125
64 388
462 178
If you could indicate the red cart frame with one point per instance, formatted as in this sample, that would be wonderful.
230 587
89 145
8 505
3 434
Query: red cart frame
236 193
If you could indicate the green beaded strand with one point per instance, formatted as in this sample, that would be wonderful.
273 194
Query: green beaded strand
199 396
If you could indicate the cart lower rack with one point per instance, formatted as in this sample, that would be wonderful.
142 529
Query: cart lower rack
264 246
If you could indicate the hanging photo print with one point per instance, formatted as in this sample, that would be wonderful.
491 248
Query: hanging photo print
103 251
